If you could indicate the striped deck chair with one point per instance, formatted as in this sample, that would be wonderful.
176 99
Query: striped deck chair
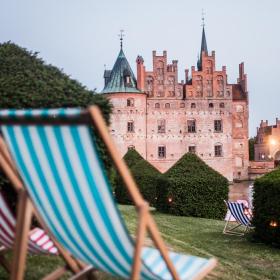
56 156
39 242
242 217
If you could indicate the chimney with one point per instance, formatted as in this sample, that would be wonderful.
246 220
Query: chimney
186 75
140 73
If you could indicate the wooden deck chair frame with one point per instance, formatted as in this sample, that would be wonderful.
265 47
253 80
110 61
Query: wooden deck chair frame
25 211
232 230
146 224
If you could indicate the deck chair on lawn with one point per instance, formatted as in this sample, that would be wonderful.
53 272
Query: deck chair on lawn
38 243
242 217
56 156
13 230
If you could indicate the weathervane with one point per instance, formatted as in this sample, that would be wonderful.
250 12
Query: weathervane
203 18
121 35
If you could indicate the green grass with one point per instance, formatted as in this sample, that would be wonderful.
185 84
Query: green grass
238 257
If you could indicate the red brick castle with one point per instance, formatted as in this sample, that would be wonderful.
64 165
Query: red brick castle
163 118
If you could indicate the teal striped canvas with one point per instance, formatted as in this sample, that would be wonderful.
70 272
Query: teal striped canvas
65 178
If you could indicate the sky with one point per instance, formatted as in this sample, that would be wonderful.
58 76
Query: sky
81 37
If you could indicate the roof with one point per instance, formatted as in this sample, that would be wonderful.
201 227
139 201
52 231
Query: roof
116 77
202 49
238 93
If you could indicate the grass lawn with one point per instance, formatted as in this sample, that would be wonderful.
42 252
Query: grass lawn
238 258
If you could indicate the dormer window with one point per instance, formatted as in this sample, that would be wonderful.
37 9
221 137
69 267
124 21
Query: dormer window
127 78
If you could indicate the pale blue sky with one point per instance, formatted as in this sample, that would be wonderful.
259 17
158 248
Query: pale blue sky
81 36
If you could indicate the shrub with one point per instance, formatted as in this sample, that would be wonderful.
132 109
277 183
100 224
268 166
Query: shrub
266 213
27 82
192 188
145 175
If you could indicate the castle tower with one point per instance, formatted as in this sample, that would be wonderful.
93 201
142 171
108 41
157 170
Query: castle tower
128 118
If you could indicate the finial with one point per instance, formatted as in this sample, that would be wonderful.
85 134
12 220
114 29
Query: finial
121 35
203 18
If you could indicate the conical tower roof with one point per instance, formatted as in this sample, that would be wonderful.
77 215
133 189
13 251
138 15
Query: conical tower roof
121 77
202 49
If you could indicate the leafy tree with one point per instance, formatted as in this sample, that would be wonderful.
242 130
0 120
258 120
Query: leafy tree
252 142
146 176
26 81
192 188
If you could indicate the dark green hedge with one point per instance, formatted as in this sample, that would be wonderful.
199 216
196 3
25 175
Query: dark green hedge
266 218
27 82
192 188
145 175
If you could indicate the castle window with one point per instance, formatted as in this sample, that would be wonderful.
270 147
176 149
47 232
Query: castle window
167 105
222 105
157 106
160 81
191 126
171 80
192 149
218 126
193 106
130 126
160 94
218 150
127 80
131 147
130 102
211 105
161 126
161 152
182 105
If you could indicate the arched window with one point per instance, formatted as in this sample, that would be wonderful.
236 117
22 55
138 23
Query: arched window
127 78
167 105
130 102
160 67
211 105
222 105
157 106
193 105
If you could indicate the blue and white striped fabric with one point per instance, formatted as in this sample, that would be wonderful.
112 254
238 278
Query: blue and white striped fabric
65 179
237 211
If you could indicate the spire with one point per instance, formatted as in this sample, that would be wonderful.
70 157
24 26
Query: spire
203 44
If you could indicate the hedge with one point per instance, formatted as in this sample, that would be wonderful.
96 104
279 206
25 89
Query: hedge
145 175
192 188
26 81
266 213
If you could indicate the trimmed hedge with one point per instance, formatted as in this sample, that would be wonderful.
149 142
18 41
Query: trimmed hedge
266 218
192 188
145 175
26 81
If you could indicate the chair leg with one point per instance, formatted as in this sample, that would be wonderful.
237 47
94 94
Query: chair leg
24 215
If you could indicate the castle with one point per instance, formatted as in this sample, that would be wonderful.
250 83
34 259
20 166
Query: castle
267 146
163 118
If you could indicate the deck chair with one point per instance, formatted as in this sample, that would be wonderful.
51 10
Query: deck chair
57 158
38 243
242 219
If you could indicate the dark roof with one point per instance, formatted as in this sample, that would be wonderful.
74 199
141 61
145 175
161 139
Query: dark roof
116 79
202 49
238 93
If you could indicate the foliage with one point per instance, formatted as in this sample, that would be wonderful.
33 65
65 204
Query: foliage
145 175
27 82
192 188
252 142
266 218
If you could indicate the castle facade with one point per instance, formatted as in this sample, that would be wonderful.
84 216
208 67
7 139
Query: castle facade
163 118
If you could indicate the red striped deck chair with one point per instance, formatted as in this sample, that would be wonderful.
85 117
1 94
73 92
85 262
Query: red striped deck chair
39 242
